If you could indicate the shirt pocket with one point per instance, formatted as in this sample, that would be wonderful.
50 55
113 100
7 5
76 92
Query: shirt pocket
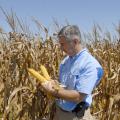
75 74
72 78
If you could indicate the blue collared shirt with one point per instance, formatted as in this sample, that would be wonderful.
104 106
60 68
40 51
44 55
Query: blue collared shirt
82 73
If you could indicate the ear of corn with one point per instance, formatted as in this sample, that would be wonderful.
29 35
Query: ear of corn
44 72
46 75
42 79
36 75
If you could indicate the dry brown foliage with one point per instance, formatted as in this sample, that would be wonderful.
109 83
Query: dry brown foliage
21 97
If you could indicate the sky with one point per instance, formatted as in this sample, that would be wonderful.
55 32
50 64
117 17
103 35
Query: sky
83 13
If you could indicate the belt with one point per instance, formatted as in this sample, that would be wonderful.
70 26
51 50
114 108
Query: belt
79 107
79 110
64 110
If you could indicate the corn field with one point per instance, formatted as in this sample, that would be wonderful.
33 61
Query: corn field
21 96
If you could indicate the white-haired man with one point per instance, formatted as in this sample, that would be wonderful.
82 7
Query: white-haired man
79 72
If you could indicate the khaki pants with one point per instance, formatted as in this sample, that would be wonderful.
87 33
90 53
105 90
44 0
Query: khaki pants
61 115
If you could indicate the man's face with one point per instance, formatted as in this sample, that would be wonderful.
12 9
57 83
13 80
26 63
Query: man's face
66 46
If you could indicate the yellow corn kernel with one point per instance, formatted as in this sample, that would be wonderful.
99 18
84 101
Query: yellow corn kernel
44 72
36 75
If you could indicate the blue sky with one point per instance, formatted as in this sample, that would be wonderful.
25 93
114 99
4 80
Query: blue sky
84 13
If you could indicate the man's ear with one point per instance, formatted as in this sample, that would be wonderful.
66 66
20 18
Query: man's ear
76 41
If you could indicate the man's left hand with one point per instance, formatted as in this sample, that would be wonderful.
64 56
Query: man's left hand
49 86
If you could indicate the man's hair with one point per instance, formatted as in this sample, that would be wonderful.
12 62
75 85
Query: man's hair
70 32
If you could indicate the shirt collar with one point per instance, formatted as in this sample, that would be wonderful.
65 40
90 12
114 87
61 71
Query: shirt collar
78 54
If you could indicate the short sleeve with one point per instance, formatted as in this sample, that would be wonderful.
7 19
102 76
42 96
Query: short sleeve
100 73
87 81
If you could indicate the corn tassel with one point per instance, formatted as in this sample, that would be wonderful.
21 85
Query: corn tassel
44 72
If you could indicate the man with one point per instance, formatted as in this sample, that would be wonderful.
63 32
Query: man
79 72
